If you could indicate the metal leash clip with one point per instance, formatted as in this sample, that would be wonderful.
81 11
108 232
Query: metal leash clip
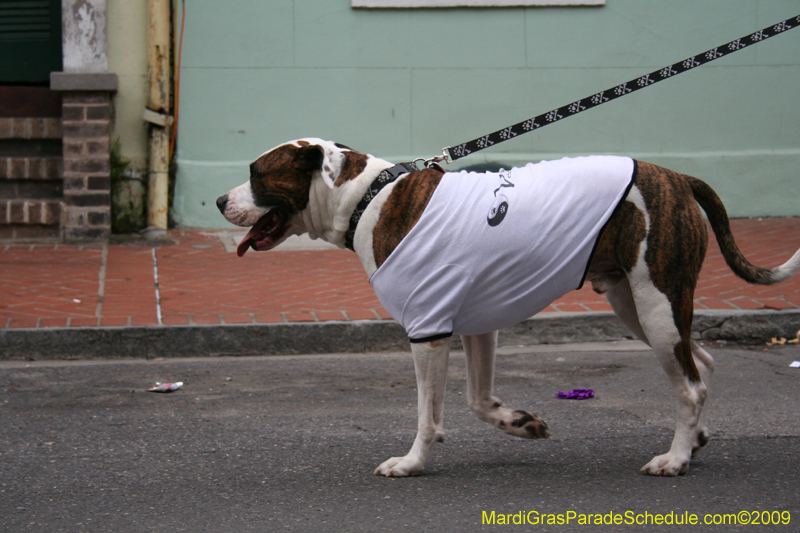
433 161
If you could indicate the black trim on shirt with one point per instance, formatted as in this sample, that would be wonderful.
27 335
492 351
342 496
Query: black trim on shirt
431 338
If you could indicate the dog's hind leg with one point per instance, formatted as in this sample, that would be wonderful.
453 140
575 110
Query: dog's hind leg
658 239
673 350
621 299
480 353
705 364
430 364
662 282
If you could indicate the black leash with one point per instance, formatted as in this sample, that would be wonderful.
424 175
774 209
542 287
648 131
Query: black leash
450 154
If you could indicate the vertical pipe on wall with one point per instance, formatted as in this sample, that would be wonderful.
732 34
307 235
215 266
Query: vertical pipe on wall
158 39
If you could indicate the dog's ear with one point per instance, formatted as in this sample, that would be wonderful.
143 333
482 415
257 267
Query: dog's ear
308 158
329 160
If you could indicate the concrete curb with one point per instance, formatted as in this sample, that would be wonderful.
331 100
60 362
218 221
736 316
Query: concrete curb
745 327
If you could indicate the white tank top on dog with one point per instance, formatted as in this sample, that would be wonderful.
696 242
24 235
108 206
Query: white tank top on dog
492 249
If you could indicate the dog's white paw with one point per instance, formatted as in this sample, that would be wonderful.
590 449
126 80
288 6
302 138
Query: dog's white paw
524 424
400 467
666 465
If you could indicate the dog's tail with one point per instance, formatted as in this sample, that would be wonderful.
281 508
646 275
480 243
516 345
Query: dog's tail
743 268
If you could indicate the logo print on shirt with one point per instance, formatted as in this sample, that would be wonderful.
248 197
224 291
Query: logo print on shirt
500 204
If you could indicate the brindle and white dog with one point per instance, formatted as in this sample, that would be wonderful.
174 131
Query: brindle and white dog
646 260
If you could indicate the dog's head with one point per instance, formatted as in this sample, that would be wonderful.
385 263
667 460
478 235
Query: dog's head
279 187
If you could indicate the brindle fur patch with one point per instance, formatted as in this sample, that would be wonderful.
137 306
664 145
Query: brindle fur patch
275 180
402 210
676 246
354 165
617 247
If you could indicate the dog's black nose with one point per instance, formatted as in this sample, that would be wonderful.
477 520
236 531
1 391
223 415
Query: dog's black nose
222 201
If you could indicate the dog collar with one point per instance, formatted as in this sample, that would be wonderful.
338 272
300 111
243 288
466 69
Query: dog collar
382 180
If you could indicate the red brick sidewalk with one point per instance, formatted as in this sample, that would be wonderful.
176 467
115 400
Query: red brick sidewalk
45 286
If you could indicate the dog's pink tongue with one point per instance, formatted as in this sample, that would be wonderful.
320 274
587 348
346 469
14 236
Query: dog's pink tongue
245 244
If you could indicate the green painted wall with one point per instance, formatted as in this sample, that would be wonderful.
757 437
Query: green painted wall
405 83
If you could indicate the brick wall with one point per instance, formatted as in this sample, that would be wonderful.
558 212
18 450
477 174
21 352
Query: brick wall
87 168
30 178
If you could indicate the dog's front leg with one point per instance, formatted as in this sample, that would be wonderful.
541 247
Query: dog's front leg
480 351
430 363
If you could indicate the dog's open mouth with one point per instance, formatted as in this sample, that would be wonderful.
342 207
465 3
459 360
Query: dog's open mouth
266 233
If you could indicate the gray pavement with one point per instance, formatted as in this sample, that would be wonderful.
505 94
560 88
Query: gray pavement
289 443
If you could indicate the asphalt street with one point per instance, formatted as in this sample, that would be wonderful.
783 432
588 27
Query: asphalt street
289 443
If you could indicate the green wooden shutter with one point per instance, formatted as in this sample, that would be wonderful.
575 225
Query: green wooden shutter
30 40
